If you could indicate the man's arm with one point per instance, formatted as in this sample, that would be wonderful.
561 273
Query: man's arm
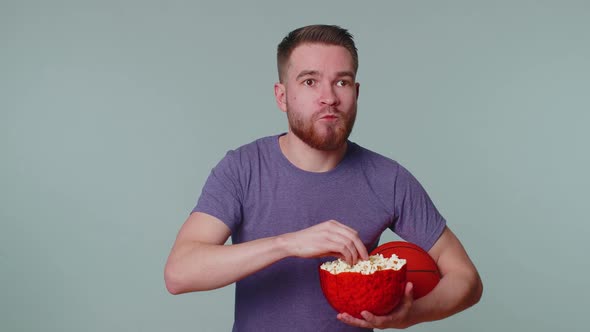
459 288
199 260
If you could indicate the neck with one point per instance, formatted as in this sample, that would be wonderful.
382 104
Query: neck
307 158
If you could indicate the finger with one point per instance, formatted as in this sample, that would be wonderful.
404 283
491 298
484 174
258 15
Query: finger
341 251
353 321
359 250
404 307
341 244
369 317
407 300
359 245
380 322
409 293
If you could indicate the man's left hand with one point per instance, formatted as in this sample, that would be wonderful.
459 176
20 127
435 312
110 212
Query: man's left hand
398 318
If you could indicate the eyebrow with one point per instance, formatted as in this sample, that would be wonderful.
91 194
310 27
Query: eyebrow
317 73
307 73
345 73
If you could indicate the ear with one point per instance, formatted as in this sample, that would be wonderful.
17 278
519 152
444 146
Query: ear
281 96
358 85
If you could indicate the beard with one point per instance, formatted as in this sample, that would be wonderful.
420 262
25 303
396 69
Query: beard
329 138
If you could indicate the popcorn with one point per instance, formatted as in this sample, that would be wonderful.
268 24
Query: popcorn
373 264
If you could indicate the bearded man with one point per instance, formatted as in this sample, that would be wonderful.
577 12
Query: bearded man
295 200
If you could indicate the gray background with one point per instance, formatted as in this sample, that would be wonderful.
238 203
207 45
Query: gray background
112 114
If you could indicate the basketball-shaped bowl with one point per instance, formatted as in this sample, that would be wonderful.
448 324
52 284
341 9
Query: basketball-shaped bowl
422 270
354 292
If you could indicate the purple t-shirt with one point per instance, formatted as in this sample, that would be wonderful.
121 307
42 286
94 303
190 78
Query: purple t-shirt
258 193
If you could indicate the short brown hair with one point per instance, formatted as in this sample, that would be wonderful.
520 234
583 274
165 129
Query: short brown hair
321 34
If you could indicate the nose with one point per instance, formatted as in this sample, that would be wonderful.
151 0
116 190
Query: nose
328 96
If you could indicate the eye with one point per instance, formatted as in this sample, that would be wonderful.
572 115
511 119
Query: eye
342 83
309 82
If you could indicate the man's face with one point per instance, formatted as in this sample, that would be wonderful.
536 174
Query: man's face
319 95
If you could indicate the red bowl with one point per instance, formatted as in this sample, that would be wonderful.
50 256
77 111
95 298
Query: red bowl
352 292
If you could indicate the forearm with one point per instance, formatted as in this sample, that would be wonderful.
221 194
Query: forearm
454 293
196 266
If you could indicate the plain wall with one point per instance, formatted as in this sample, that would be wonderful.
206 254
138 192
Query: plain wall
112 114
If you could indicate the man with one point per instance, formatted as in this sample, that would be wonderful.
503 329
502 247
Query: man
295 200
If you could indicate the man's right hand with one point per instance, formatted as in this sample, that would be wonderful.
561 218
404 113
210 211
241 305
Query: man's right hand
329 238
199 260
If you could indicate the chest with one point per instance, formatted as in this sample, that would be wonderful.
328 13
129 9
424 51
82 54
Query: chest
280 204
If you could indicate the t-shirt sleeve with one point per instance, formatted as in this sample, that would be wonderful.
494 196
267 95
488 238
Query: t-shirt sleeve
221 196
416 218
